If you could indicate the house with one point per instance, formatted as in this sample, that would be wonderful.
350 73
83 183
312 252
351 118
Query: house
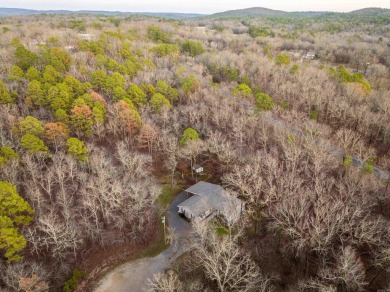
309 55
207 199
85 36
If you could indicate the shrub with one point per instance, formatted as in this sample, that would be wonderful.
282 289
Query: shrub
257 31
264 102
190 84
242 90
157 35
165 50
282 59
72 283
193 48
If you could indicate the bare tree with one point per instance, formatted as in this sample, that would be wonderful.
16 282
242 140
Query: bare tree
225 263
167 282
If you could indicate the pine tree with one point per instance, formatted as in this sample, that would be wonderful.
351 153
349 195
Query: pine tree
14 212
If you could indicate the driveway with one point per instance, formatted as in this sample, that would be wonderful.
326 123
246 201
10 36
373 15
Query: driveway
133 276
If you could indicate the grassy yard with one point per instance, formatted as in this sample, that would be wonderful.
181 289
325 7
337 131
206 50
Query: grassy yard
168 194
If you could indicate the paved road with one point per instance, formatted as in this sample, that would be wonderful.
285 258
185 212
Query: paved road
133 276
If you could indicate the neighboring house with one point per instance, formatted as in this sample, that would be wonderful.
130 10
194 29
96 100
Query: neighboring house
309 55
208 199
85 36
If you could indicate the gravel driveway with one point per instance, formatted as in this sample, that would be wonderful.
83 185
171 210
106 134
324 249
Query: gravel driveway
133 276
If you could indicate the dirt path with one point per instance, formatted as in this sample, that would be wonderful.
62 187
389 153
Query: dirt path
133 276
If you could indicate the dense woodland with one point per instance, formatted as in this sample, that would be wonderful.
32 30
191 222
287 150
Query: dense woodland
96 110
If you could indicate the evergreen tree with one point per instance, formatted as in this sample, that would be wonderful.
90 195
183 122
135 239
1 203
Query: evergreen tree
136 95
31 125
33 144
159 101
5 96
77 149
189 134
14 212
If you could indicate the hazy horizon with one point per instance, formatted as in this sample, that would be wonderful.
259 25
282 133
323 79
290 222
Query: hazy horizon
191 6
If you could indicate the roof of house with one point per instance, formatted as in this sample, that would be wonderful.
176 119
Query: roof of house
209 196
197 204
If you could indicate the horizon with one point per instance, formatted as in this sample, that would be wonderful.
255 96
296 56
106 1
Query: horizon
193 7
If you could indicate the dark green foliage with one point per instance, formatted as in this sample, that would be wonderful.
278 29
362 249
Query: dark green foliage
166 90
283 104
257 31
193 48
33 144
341 74
95 47
158 35
159 101
33 74
218 27
99 80
264 102
313 115
136 95
25 58
347 161
222 73
57 58
165 50
242 90
189 134
119 93
77 149
148 89
294 69
31 125
115 21
77 25
72 283
6 154
282 59
16 74
34 93
190 84
51 75
233 74
5 96
14 212
76 88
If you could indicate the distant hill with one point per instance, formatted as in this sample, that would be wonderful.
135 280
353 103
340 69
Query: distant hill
265 12
20 11
249 12
371 11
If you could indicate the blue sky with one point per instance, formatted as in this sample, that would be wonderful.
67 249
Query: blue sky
194 6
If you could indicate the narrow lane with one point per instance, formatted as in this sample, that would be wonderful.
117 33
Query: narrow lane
133 276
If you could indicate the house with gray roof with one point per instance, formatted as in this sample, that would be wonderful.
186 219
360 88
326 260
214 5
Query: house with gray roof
207 199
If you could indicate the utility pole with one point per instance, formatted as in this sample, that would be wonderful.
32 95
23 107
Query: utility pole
163 222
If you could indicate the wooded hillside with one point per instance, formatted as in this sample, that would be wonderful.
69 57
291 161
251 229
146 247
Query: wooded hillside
98 112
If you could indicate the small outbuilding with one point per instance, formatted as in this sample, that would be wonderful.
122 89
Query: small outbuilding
207 199
197 168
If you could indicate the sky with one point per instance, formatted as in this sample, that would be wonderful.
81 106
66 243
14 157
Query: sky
194 6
